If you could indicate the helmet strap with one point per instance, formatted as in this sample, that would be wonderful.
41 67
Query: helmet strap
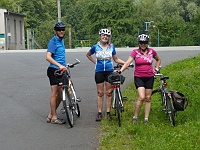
59 36
143 50
103 43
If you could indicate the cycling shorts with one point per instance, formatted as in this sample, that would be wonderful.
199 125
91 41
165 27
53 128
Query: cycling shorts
101 77
52 77
146 82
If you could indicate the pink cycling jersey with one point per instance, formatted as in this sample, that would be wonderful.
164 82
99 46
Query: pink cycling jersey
143 63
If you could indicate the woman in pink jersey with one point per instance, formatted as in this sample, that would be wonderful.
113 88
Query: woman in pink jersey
143 74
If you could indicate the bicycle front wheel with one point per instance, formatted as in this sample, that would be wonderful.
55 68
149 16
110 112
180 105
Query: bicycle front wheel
118 108
171 111
73 96
68 106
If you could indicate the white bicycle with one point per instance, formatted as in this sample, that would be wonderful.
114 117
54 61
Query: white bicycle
69 98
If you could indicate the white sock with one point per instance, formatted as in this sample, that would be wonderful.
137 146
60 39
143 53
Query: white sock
146 119
134 117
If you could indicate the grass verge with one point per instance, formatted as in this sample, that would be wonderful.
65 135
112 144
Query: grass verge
159 134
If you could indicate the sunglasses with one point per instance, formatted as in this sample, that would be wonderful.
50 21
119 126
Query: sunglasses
105 35
60 30
143 42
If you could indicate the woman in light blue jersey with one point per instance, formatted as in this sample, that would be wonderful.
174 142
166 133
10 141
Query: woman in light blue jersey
104 52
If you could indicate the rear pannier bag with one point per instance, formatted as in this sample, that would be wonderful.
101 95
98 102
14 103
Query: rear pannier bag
179 100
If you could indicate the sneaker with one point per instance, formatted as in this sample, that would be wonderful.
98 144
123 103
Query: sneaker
134 120
99 117
62 110
109 117
146 122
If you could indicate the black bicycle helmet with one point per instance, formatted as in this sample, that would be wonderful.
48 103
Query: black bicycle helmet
143 38
59 25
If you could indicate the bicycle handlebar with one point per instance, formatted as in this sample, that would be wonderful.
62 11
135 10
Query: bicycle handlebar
72 65
162 77
119 66
158 71
158 74
60 72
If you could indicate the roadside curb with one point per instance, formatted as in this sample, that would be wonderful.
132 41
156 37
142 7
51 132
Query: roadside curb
85 49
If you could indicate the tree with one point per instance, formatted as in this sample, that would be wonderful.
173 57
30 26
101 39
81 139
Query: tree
176 20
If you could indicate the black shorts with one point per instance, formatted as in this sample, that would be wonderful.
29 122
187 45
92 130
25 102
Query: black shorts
52 77
146 82
101 77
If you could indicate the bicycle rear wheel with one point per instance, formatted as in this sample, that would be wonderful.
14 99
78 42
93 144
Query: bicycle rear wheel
67 105
75 104
171 111
118 108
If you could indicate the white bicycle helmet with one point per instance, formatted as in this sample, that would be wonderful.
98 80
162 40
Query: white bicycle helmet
143 37
105 31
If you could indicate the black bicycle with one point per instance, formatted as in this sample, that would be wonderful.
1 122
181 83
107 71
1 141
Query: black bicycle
166 97
116 79
69 98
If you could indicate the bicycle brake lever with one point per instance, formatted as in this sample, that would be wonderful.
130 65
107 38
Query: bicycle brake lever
77 60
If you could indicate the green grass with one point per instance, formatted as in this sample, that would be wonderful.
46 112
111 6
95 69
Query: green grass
159 134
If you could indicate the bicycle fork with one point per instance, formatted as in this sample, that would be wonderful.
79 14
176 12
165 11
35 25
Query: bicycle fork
66 104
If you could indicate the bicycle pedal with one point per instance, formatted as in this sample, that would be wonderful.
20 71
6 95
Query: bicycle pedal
122 108
124 98
62 110
78 99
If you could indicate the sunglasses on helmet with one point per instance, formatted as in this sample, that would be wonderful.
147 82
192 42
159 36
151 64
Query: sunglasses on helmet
143 42
60 30
105 35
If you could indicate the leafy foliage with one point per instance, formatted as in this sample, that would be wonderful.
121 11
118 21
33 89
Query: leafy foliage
184 76
177 21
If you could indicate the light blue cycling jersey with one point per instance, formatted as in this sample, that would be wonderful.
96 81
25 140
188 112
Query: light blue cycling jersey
57 48
103 59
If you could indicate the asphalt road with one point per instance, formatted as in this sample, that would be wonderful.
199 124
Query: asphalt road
24 97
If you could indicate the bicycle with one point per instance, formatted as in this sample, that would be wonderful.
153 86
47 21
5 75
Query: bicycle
69 98
166 97
116 79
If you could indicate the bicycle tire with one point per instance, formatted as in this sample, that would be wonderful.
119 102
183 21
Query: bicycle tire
171 111
68 106
118 108
73 96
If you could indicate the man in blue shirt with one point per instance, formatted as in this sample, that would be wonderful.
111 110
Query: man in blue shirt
56 57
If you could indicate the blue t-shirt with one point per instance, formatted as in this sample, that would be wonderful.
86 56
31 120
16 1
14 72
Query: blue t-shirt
57 48
103 59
